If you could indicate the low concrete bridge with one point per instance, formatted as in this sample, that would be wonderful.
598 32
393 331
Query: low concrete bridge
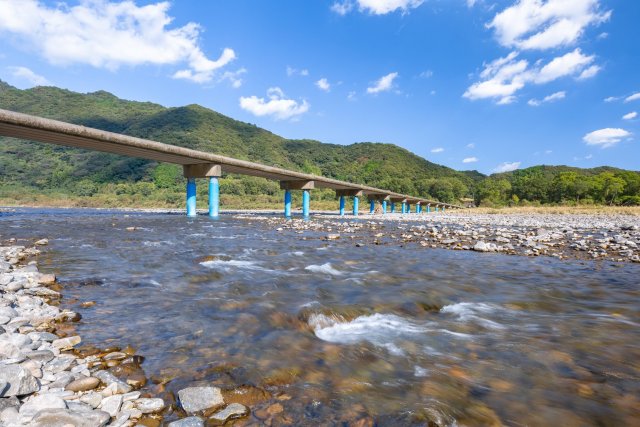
200 164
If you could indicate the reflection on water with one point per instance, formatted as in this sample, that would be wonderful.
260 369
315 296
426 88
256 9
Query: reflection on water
405 335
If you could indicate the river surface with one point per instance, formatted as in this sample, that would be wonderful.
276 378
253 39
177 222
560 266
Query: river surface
404 335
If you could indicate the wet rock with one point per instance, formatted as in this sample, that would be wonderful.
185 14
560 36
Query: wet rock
188 422
196 399
42 242
481 246
246 395
150 405
83 384
232 411
66 417
19 381
67 343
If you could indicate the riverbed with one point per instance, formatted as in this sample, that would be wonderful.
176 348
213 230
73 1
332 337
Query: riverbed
342 331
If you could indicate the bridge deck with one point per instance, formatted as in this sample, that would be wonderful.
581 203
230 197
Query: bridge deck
24 126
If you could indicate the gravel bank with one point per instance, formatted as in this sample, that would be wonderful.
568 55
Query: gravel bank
585 237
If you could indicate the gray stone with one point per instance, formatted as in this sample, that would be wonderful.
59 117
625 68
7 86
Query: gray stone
112 404
66 418
110 380
60 363
149 406
61 379
40 355
481 246
79 406
40 403
92 399
19 379
67 343
234 410
195 399
9 415
8 402
188 422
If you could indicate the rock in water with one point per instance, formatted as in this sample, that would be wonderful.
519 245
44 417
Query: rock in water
19 381
65 417
195 399
188 422
481 246
235 410
149 405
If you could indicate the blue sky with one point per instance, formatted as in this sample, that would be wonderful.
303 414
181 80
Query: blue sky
471 84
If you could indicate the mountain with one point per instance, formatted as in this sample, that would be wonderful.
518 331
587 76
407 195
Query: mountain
77 172
43 173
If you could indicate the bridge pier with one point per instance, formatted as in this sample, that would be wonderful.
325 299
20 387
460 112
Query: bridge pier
287 204
408 208
418 208
342 203
214 197
306 196
443 209
372 206
356 202
429 208
384 207
191 197
305 186
393 207
404 207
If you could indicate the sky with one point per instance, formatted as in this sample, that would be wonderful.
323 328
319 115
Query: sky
490 85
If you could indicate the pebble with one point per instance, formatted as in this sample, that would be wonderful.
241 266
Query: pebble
150 405
188 422
83 384
232 411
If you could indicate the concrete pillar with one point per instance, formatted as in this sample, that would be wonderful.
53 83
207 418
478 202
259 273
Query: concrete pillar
429 208
214 197
356 201
305 203
393 207
404 207
341 205
372 206
408 208
384 207
191 197
287 204
443 209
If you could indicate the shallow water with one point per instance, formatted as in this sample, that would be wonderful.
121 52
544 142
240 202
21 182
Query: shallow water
402 334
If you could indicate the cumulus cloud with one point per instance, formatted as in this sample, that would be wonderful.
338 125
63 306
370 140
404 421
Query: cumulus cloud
110 35
233 77
383 84
24 74
551 98
630 116
503 77
469 160
323 84
606 138
539 24
375 7
276 105
471 145
437 150
589 72
506 167
633 97
611 99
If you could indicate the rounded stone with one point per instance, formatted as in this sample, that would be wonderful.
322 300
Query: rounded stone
83 384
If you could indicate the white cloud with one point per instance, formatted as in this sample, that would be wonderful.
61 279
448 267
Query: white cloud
630 116
383 84
294 71
548 151
323 84
471 145
611 99
606 138
503 77
437 150
471 3
376 7
589 156
277 105
551 98
426 74
565 65
342 8
506 167
589 72
539 24
351 96
469 160
633 97
28 76
234 77
110 35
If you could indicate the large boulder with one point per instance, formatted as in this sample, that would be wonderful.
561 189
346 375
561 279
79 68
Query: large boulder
196 399
19 381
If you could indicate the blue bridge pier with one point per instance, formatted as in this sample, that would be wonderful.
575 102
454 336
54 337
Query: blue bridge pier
203 170
306 187
354 194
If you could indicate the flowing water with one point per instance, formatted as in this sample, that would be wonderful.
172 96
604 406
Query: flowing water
404 335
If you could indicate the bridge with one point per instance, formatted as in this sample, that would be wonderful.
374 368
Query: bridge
200 164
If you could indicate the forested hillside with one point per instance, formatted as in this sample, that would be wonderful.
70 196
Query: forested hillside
32 171
30 168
